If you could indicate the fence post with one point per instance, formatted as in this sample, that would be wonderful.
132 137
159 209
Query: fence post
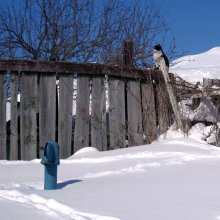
127 53
134 112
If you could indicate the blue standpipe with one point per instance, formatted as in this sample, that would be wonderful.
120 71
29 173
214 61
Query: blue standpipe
50 160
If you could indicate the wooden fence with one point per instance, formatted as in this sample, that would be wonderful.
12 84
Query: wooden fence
116 107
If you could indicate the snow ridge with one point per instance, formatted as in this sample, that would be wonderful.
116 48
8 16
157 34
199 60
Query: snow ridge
50 206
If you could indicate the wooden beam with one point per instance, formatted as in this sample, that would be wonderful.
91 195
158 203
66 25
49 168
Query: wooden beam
71 67
171 94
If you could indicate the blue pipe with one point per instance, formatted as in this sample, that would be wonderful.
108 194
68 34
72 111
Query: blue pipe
50 177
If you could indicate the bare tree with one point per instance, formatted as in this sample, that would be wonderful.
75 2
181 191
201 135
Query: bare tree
80 30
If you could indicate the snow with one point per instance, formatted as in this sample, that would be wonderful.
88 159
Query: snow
176 177
196 67
8 107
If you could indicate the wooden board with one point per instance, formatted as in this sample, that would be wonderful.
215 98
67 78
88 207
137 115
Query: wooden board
163 107
81 134
47 107
149 112
3 153
98 114
171 95
29 104
135 128
65 114
13 155
117 126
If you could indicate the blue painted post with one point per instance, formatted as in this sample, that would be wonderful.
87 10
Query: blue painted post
50 160
50 177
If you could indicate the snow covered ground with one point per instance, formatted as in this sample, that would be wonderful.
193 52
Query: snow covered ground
175 178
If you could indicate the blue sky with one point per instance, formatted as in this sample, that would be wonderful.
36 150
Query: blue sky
194 23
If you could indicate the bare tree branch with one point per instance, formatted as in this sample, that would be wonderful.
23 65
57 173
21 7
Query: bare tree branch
80 30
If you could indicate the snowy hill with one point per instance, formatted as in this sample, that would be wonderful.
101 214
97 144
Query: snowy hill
175 178
196 67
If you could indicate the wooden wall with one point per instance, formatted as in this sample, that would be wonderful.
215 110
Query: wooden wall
112 110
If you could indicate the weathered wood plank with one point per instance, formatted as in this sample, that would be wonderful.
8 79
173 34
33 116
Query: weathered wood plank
70 67
13 155
135 128
3 153
29 104
149 112
117 126
171 95
65 115
163 107
98 114
81 135
47 107
127 53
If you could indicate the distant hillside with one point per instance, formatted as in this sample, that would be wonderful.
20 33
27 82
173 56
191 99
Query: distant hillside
196 67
